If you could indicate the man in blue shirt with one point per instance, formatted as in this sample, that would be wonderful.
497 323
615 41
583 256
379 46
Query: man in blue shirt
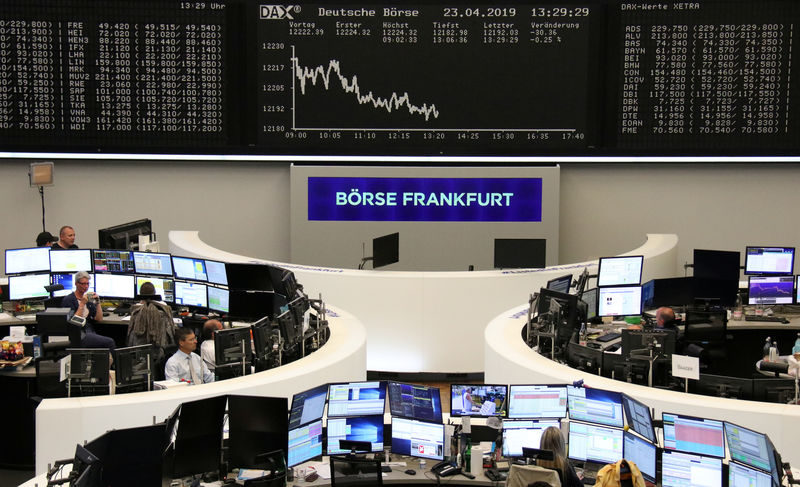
186 366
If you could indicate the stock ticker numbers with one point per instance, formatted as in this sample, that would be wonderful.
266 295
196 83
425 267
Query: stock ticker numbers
708 75
428 78
112 73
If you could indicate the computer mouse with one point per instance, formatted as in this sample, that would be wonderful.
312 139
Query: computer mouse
311 477
411 471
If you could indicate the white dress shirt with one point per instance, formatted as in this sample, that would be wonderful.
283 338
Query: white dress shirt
177 368
207 352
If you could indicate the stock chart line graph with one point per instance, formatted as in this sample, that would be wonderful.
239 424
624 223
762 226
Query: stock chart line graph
333 72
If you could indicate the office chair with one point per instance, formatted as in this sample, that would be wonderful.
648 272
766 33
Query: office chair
275 462
524 475
355 471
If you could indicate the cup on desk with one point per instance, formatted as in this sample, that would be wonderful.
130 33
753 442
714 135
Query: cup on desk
299 474
422 464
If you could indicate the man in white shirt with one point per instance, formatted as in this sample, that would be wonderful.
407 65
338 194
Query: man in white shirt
207 350
186 366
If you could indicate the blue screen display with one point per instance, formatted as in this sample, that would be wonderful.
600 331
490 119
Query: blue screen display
361 428
425 199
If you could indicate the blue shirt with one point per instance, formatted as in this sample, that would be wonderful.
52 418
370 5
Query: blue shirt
177 368
71 301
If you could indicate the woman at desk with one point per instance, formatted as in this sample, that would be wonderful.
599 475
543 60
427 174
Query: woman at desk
553 441
87 305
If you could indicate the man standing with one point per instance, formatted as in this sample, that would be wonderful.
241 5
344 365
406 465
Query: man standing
66 239
186 366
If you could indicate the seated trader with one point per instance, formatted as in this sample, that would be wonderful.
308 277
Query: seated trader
186 366
553 440
207 350
87 305
66 239
151 323
665 319
45 239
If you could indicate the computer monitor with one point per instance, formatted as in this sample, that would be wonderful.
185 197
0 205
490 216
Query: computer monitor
642 453
524 433
480 400
718 292
195 433
191 294
419 439
251 305
164 287
152 263
356 398
560 284
189 268
693 435
264 337
131 457
135 368
87 469
682 469
71 260
770 389
215 271
594 443
584 358
385 250
122 286
218 299
28 286
563 310
21 261
368 429
537 401
619 301
250 277
769 260
638 418
308 406
233 353
88 371
415 402
290 332
744 476
520 253
114 261
590 298
640 342
124 236
674 291
717 264
68 281
769 290
620 271
723 386
305 443
595 406
748 446
256 425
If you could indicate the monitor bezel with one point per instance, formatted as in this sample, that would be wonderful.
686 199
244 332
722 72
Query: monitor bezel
599 294
630 424
378 419
72 251
684 416
725 425
559 279
40 275
748 272
411 450
381 385
505 451
148 279
192 284
667 452
116 276
152 273
37 271
597 425
625 434
403 416
223 269
94 258
208 300
295 398
529 418
502 409
619 257
770 276
194 279
607 391
322 438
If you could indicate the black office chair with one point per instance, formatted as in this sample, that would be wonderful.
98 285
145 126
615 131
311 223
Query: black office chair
347 471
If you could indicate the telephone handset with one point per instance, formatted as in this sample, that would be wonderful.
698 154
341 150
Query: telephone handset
445 469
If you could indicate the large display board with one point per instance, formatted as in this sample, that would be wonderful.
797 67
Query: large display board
570 77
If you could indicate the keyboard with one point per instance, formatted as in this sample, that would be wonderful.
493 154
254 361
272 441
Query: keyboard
769 319
607 337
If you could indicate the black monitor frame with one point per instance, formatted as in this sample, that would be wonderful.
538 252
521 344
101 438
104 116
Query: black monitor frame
102 254
584 358
249 277
263 340
774 390
520 253
393 388
256 425
233 352
121 237
88 371
618 284
385 250
198 440
132 278
747 266
635 340
559 280
723 386
298 406
717 264
287 325
650 432
29 271
568 323
499 411
130 376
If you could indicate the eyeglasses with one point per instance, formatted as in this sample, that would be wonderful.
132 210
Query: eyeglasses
83 283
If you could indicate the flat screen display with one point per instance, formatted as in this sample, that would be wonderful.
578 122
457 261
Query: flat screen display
356 398
152 263
717 264
769 260
693 435
72 260
560 284
115 261
191 294
30 286
418 438
638 418
219 299
516 253
770 290
358 428
744 476
594 443
68 281
620 271
537 401
415 401
590 298
748 446
642 453
595 406
121 286
20 261
619 301
682 469
188 268
216 272
305 443
308 406
479 400
164 287
524 433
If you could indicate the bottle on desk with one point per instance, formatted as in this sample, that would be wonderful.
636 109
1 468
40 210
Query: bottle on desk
765 349
773 352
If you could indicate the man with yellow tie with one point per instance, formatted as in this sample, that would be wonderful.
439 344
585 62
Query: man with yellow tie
185 366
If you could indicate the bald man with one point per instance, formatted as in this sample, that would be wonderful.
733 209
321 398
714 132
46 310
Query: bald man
665 319
207 350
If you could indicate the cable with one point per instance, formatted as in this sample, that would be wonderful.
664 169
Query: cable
41 192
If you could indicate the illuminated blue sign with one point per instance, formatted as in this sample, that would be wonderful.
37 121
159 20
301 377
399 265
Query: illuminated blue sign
425 199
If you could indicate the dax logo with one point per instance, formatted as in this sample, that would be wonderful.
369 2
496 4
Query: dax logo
279 12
